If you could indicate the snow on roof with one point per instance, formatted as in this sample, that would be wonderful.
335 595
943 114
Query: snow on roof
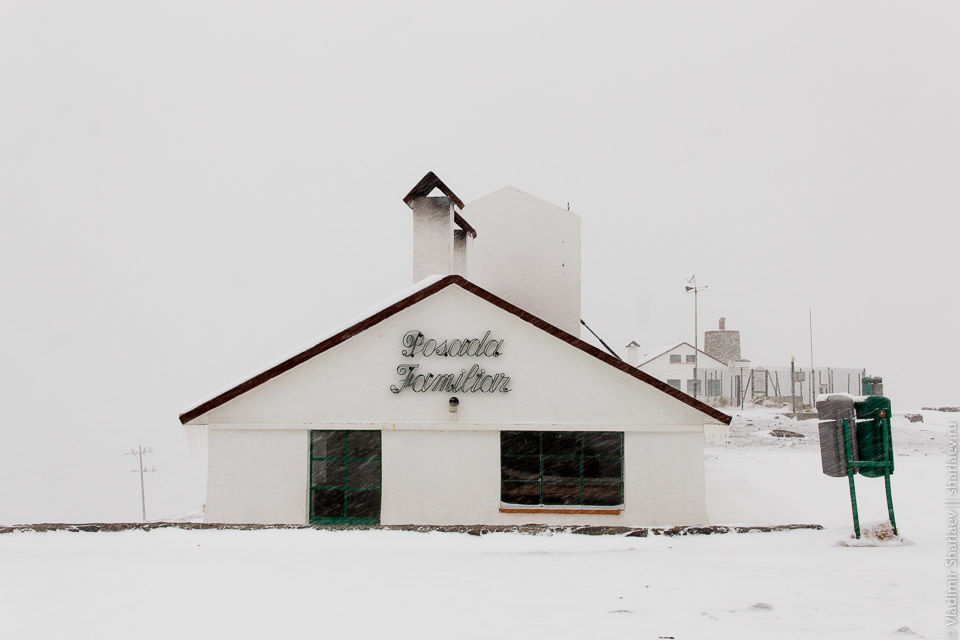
387 302
825 396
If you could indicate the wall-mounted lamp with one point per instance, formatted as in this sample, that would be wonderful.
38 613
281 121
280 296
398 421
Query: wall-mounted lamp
454 403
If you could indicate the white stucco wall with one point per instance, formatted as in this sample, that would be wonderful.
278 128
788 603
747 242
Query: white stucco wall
527 251
442 467
453 477
257 476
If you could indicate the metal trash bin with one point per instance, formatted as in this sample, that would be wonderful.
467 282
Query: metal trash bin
873 423
831 412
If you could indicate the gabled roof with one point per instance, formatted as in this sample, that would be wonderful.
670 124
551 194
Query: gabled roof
426 185
413 299
656 353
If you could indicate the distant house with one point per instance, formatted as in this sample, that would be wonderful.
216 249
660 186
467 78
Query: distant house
674 364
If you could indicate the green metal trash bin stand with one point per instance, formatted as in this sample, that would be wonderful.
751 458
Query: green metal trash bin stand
886 465
871 432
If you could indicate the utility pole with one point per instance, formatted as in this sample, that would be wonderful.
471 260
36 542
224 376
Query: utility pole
793 386
813 376
692 286
139 452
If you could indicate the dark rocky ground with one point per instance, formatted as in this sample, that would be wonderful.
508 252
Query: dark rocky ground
475 530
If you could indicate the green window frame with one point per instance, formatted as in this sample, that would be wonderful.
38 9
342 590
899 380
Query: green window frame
345 476
561 468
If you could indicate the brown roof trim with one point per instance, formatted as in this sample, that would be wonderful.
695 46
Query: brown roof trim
427 184
463 224
413 299
430 182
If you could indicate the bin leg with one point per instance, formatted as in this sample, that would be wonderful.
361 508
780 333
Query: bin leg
888 457
853 503
893 520
853 489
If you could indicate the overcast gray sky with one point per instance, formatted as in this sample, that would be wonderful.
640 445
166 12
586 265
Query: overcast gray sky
191 189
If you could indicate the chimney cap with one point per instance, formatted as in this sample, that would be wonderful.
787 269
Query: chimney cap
427 184
430 182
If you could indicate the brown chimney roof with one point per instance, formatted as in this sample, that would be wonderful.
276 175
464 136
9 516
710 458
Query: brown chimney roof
430 182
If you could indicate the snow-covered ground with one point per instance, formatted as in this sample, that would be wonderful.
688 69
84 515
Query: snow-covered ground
172 583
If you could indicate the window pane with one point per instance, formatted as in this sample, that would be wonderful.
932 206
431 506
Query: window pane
561 469
519 443
363 474
526 468
562 443
604 494
327 473
520 493
674 357
327 504
327 444
691 358
602 468
674 382
363 504
572 468
603 444
341 462
561 493
364 444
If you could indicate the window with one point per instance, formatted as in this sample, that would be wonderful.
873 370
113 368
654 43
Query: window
674 382
560 468
693 386
345 477
674 358
691 358
713 387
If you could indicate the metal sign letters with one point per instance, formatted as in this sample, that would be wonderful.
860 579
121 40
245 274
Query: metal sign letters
472 380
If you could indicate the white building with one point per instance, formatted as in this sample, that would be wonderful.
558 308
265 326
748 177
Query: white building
467 399
723 378
680 365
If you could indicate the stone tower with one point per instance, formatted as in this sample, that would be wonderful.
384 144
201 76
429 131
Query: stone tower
722 344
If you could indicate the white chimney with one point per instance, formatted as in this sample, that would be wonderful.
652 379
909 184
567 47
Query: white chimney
441 236
462 240
432 237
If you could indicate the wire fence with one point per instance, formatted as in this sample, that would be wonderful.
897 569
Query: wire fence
737 386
